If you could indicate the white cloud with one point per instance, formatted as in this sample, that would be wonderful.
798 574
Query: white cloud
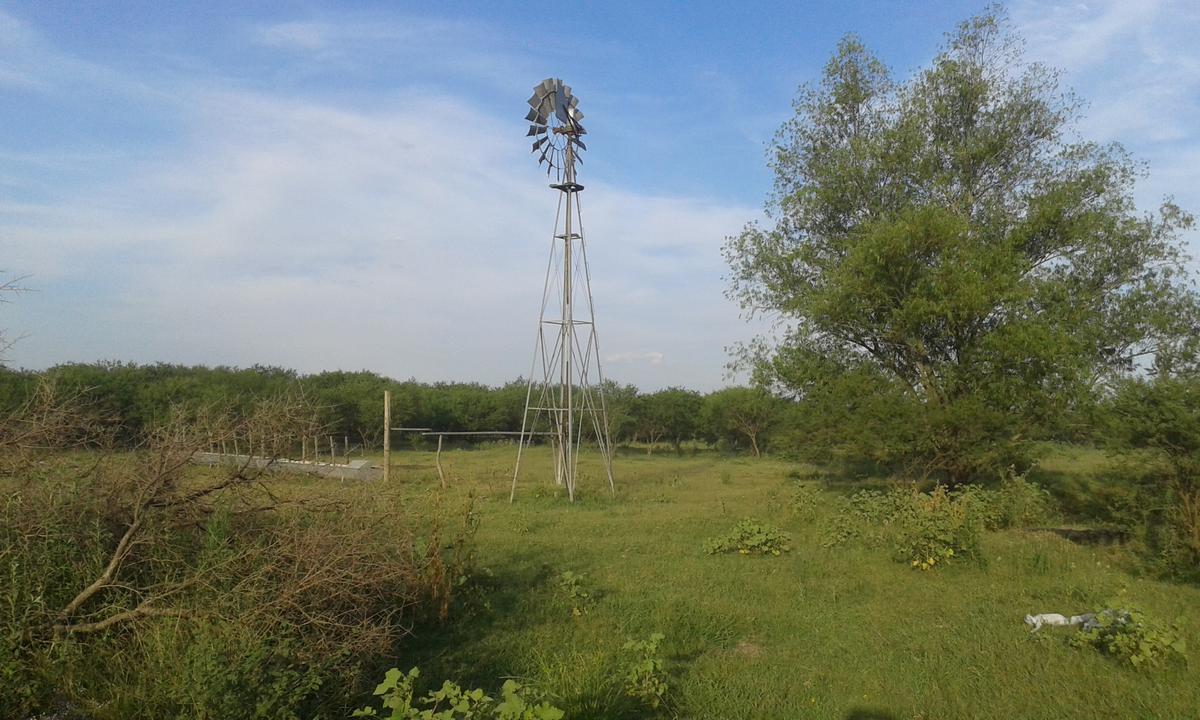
311 236
652 357
302 35
28 62
1077 35
424 50
1138 66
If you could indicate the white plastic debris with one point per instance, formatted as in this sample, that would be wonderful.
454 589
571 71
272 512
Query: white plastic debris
1036 622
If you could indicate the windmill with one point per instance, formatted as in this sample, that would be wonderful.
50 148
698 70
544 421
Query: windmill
569 395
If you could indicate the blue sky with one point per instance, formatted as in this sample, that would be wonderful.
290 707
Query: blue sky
327 186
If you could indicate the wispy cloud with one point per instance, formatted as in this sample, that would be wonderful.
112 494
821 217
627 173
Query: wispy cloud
310 234
1078 35
1138 66
294 34
652 357
29 62
415 51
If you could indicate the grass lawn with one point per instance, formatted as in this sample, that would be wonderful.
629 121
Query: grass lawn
819 632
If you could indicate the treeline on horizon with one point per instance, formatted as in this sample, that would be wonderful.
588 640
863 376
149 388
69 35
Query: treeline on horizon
349 404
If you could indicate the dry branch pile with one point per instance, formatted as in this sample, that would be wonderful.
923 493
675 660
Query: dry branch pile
103 547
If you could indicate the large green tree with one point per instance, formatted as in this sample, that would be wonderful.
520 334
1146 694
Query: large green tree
949 264
670 414
738 415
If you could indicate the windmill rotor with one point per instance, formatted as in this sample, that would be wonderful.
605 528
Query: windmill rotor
555 124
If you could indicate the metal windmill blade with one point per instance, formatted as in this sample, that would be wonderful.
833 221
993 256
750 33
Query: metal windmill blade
560 107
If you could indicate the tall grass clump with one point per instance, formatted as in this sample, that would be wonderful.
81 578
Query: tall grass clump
929 529
1014 502
935 527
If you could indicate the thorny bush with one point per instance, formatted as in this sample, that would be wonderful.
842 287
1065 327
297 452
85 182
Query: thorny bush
134 580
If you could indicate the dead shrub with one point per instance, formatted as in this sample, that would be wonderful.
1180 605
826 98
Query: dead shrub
141 554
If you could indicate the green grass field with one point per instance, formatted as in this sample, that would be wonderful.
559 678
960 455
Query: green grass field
841 632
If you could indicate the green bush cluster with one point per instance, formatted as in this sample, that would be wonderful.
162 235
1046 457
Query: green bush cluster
936 527
451 702
1162 418
806 498
927 529
350 404
642 674
1015 502
751 537
1133 637
869 515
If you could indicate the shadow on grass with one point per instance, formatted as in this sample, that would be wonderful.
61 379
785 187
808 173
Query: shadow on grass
1109 500
848 477
513 600
496 600
1088 536
612 705
870 713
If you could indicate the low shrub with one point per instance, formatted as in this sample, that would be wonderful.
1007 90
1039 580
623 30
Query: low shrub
1132 636
867 515
936 527
1162 417
1179 537
924 529
751 537
805 501
645 678
1016 502
572 587
451 702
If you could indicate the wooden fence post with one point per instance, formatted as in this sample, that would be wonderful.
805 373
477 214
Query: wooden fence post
438 461
387 435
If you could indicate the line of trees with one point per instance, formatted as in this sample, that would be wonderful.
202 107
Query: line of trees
351 403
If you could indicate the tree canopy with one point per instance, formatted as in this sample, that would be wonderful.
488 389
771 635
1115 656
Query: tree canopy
949 264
